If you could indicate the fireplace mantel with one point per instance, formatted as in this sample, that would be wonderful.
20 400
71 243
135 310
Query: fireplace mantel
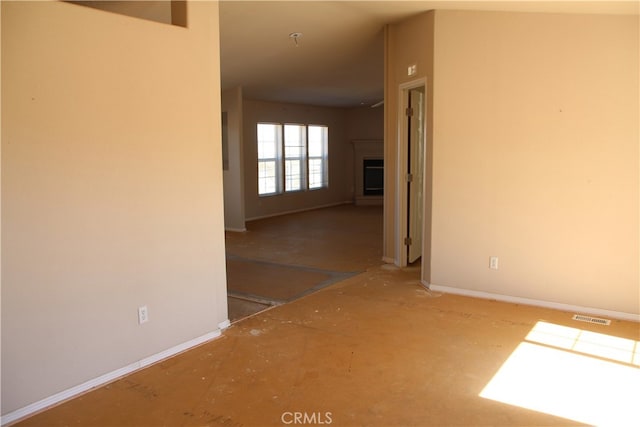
366 149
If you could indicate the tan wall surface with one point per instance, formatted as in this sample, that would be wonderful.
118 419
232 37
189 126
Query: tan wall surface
408 42
362 123
340 157
111 191
159 11
1 173
234 175
536 156
365 123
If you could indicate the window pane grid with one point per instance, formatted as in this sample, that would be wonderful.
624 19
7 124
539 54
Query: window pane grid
267 179
294 153
318 157
269 141
315 173
291 157
293 178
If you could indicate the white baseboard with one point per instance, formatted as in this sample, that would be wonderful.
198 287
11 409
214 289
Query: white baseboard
313 208
388 260
236 230
106 378
539 303
224 325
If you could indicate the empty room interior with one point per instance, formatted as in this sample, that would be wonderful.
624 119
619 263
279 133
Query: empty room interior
344 213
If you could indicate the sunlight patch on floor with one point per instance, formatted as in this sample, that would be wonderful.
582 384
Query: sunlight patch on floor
571 373
587 342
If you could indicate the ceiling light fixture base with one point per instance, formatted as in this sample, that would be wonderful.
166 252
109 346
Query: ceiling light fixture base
295 36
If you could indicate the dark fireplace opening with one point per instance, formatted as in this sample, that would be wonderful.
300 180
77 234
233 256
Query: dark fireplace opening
373 183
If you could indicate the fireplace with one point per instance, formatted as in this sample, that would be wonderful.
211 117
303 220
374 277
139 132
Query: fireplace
369 172
373 177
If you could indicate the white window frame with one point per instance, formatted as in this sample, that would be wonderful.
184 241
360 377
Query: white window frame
323 156
305 155
276 160
291 184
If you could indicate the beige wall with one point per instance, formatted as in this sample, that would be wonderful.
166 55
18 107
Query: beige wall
159 11
536 156
364 123
1 173
340 158
111 191
234 175
406 43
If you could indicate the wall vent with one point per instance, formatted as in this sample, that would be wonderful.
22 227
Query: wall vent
590 319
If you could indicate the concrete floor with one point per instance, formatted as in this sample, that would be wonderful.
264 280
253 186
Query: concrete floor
307 250
343 238
379 349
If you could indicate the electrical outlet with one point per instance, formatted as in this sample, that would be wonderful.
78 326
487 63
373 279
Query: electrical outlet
493 262
143 315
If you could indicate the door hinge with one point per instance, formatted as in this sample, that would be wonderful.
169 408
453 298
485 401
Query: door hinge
407 241
409 177
409 111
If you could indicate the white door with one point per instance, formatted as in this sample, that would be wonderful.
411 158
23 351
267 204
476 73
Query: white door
415 168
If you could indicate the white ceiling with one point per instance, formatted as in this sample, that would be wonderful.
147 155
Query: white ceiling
339 59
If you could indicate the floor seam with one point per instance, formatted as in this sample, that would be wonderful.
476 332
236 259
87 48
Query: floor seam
293 266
